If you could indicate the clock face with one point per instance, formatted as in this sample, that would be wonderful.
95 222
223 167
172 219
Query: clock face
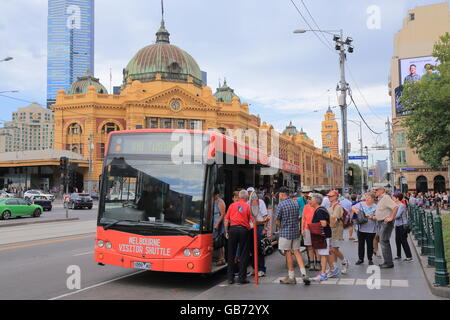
329 137
175 105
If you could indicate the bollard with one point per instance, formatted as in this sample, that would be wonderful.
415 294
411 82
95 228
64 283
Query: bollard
441 275
430 245
426 233
423 233
416 223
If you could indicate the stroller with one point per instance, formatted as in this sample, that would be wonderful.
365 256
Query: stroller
268 244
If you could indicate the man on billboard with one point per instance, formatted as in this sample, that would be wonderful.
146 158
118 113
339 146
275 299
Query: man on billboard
412 76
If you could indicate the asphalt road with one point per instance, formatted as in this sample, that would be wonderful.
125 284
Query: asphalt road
34 260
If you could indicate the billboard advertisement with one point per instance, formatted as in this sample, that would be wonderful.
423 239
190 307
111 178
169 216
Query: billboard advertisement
413 70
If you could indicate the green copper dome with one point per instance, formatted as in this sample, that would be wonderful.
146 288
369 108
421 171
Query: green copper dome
81 85
225 93
172 63
291 130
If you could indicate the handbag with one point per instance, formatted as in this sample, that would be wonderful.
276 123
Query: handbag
361 218
219 241
318 239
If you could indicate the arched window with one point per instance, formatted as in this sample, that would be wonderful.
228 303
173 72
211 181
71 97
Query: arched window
74 129
422 184
110 127
75 149
439 184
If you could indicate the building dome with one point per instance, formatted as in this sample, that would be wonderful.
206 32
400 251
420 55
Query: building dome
290 130
172 63
81 85
225 93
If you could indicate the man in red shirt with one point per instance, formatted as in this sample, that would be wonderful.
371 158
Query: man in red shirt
237 231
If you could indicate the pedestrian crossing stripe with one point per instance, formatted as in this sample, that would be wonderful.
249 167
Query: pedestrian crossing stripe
352 282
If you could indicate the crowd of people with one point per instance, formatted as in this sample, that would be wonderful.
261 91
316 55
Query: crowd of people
431 200
315 221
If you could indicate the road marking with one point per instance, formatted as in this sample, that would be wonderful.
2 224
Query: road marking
354 282
97 285
45 242
83 254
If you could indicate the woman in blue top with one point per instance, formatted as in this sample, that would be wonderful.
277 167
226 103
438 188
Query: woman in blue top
366 231
401 235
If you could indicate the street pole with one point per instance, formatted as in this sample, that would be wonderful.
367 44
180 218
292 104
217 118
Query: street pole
342 87
343 104
391 159
362 160
90 163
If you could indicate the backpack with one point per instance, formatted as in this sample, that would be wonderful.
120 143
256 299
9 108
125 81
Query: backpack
345 217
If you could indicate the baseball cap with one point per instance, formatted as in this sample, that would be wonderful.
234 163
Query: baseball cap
250 189
333 193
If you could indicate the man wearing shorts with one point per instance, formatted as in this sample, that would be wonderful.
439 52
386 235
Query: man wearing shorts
289 242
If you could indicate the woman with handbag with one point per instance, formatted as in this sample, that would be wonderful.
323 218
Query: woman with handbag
401 228
218 234
366 221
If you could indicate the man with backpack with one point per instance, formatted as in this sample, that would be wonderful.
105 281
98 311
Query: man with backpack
338 216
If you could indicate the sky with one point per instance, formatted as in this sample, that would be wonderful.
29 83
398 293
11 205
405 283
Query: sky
283 76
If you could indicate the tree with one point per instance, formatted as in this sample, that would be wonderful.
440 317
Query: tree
428 106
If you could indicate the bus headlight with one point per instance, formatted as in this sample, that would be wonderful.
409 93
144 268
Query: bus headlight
196 252
100 243
187 252
108 245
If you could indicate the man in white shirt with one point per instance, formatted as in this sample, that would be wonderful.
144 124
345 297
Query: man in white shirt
326 202
261 218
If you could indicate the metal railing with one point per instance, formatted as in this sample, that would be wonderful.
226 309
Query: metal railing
426 228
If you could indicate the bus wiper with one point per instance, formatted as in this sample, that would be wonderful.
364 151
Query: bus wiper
118 221
163 226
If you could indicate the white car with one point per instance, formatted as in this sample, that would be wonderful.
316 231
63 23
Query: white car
31 193
4 194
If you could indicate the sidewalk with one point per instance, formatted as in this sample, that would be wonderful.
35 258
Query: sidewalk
405 281
28 220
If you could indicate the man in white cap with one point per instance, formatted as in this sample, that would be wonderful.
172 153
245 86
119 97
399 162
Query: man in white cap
385 215
261 218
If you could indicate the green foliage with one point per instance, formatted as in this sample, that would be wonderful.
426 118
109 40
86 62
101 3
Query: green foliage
428 123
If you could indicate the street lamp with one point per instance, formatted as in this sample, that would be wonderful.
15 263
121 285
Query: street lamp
7 59
341 46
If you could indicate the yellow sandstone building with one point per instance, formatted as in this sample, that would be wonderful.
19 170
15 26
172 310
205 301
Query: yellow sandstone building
163 88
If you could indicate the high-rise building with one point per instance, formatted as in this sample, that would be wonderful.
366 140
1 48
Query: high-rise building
380 170
70 43
32 128
413 49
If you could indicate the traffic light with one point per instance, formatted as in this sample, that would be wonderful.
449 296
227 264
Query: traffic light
349 176
63 163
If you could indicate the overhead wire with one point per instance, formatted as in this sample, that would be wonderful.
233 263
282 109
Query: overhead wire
310 27
316 24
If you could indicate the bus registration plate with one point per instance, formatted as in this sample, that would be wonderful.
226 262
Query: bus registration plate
142 265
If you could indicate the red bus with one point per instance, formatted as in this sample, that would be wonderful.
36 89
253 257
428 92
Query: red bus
157 193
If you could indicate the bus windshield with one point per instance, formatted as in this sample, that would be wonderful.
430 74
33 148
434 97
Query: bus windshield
153 193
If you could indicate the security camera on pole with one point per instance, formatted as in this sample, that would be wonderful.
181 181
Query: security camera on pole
342 47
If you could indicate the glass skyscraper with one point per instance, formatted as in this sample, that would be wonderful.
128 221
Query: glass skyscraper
70 43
